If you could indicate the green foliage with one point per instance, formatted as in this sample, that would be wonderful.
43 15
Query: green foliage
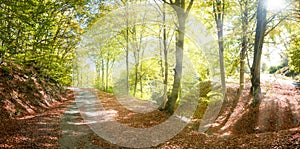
294 53
42 34
274 69
150 77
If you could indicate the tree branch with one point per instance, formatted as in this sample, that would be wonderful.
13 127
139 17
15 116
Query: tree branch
160 10
223 11
189 7
215 12
169 3
273 27
277 13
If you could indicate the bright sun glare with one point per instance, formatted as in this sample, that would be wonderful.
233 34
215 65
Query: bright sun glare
275 4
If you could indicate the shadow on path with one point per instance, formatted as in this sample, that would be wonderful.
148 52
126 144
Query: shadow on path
75 130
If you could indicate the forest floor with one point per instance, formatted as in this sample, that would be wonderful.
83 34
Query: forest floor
39 130
274 124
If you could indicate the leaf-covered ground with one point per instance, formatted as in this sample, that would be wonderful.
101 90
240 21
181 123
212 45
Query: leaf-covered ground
241 129
23 91
40 130
31 107
33 113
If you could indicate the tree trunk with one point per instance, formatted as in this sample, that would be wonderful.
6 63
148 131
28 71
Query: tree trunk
127 53
136 79
258 45
98 70
218 8
221 56
242 66
141 70
244 46
102 71
107 68
141 80
181 17
166 73
127 64
170 105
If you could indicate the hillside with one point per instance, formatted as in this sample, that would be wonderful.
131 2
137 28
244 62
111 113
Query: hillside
24 92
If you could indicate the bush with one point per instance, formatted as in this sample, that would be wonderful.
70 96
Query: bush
274 69
294 52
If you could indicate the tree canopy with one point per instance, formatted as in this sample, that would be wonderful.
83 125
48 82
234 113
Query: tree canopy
42 34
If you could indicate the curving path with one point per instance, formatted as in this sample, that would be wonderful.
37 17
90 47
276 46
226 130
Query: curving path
101 122
75 131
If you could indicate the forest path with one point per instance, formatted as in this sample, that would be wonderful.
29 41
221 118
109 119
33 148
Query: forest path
88 117
75 130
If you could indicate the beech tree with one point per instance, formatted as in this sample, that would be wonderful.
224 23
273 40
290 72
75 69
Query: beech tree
218 10
182 15
247 19
258 45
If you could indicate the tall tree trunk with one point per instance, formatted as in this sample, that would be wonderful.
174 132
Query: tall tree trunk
127 53
141 80
182 14
242 65
258 45
141 70
218 8
221 56
102 71
137 57
136 54
244 11
136 79
170 105
98 70
107 68
166 73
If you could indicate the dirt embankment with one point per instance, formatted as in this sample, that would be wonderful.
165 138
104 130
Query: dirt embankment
23 91
31 107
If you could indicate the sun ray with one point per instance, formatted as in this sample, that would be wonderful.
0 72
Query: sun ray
274 5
